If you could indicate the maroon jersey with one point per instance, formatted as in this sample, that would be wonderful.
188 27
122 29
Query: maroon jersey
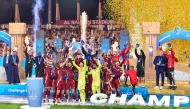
90 78
54 74
102 72
54 77
76 81
47 72
70 73
107 76
60 74
54 83
108 60
117 72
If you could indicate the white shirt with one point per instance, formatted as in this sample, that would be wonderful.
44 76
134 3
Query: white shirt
7 59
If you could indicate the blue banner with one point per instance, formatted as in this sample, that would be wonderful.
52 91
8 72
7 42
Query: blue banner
21 90
105 45
139 91
5 37
39 45
13 90
34 89
177 33
123 40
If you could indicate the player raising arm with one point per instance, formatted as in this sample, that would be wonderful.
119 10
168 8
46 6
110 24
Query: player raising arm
60 81
81 79
96 76
107 79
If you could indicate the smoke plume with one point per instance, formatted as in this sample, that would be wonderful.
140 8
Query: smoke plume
37 8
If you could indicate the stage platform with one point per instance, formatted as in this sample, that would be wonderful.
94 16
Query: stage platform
183 87
18 93
24 100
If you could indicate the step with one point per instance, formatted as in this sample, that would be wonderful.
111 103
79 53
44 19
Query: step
183 84
166 91
177 82
165 85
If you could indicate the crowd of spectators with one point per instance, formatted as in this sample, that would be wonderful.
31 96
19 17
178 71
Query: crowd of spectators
2 48
68 32
94 35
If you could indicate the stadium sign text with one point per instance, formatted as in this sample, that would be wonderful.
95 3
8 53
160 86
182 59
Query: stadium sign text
91 22
138 100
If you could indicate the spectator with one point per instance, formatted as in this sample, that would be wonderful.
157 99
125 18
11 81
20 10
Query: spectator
29 63
6 64
39 60
14 73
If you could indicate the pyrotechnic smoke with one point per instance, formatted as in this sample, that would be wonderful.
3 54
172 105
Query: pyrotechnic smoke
36 9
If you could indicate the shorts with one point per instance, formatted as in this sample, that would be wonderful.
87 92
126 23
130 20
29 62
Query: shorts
89 87
70 83
115 83
54 85
107 87
60 85
169 70
81 85
47 83
140 72
95 86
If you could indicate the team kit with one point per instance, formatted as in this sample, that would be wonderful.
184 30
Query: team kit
87 75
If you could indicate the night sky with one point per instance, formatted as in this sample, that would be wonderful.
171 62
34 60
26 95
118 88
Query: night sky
68 10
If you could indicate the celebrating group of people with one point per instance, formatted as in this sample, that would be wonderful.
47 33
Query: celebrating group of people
81 70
